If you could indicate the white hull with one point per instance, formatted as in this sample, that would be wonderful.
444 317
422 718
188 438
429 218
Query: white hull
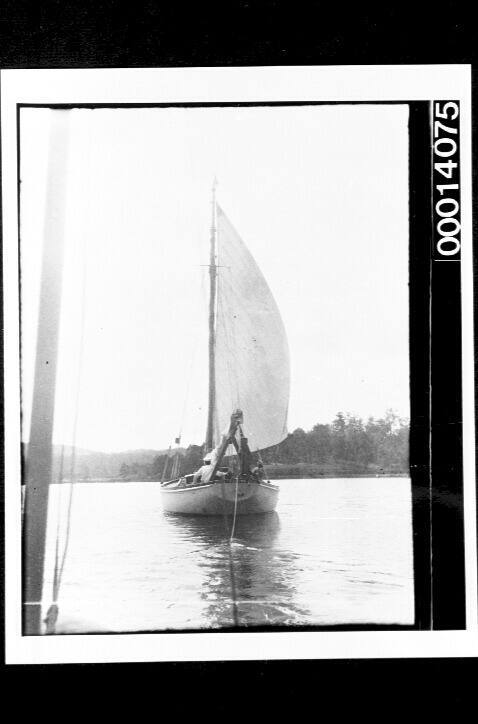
218 498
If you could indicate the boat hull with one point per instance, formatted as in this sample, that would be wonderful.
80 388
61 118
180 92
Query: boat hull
219 498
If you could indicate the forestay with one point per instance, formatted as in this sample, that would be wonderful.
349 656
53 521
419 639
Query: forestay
252 356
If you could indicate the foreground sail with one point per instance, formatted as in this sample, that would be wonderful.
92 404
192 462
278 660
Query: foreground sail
248 386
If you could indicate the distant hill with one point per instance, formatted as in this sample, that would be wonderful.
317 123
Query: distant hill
92 464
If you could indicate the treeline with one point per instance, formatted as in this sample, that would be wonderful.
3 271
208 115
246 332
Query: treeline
346 447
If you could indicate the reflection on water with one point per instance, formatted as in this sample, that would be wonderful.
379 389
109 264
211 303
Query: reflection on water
335 552
252 570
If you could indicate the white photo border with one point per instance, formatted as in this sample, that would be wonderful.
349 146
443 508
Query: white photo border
226 85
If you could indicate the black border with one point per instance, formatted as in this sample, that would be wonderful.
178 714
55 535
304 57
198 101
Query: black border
419 161
434 607
267 33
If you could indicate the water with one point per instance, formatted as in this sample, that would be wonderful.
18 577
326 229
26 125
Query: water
337 551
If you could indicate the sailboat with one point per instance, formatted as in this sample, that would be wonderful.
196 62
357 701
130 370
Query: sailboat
249 382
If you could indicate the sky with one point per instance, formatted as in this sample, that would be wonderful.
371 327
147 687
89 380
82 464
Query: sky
319 194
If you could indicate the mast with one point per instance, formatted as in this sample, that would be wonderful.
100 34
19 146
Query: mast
212 326
175 471
39 455
165 466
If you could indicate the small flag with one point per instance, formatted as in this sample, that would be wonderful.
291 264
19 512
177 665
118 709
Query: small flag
177 440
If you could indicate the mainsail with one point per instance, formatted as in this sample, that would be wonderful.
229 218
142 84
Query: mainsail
251 351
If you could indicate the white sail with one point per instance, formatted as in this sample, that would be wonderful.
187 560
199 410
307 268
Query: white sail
252 356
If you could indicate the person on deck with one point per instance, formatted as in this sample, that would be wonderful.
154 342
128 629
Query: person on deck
258 471
203 470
